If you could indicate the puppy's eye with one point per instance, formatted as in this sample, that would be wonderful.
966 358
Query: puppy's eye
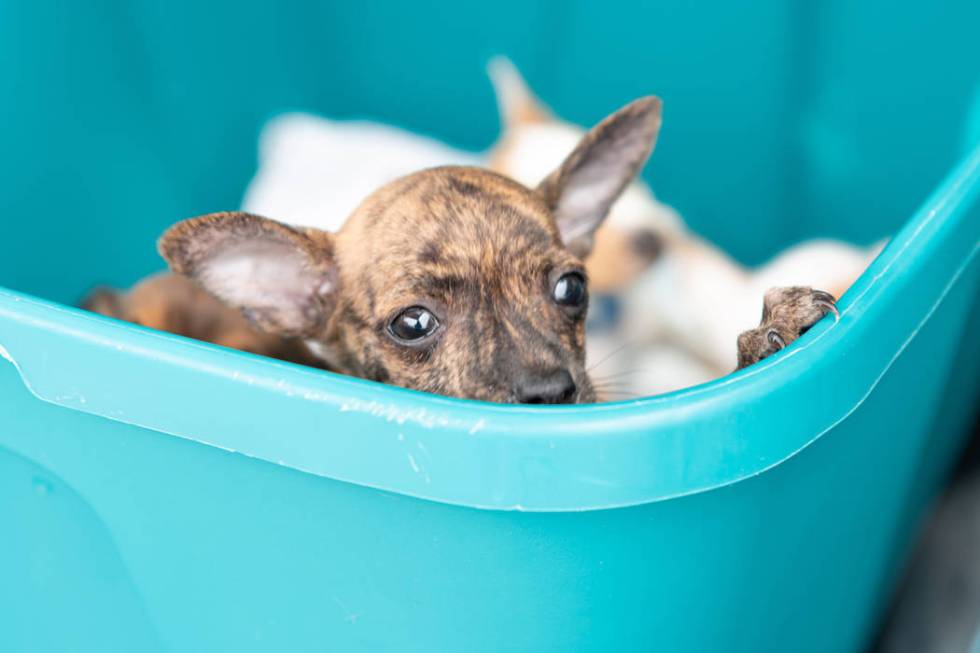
570 290
413 324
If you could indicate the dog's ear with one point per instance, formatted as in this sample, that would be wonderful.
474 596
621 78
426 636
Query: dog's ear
516 102
585 186
283 279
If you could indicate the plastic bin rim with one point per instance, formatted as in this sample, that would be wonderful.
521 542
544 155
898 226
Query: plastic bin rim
469 453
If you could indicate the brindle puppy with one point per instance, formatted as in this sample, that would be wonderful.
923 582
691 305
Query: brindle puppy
456 281
453 280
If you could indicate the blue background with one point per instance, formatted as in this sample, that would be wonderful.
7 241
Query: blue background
783 120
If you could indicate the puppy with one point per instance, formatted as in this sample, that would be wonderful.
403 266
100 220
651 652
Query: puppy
453 280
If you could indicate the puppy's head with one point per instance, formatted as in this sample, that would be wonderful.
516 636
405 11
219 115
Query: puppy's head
534 140
456 281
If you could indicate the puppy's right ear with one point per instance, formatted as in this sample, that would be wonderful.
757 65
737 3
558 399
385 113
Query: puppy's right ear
516 102
583 189
282 279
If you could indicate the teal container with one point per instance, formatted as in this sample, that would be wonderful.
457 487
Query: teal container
161 494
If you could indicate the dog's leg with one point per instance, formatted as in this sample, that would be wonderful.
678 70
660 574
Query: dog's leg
787 313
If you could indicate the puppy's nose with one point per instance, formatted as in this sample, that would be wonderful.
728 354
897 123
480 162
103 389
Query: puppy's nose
555 387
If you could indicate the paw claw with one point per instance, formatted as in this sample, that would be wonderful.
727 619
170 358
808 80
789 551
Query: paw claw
826 301
775 339
787 314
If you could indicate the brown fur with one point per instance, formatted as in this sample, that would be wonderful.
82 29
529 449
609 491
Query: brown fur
481 250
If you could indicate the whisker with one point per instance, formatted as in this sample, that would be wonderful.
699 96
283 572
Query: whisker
616 375
609 355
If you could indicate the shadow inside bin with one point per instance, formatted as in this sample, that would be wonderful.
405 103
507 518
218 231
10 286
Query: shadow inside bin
79 596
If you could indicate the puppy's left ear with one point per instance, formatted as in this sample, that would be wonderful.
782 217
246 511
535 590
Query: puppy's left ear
282 279
583 189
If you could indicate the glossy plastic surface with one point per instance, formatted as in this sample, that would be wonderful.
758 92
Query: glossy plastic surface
162 494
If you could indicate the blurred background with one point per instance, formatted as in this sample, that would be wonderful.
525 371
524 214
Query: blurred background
783 120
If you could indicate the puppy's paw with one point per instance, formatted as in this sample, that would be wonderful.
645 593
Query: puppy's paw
787 313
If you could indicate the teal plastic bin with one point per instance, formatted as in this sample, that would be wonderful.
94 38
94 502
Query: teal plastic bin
160 494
